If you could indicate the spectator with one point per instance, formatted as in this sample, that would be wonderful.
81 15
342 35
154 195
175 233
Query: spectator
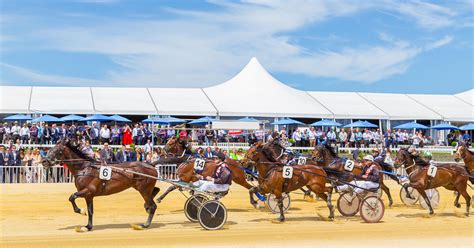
127 136
208 153
122 155
115 136
87 149
3 160
132 154
34 134
106 154
15 132
2 132
63 132
54 134
46 137
24 134
342 138
466 138
104 134
331 136
148 148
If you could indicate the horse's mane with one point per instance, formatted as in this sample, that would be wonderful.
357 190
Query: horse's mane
330 150
78 152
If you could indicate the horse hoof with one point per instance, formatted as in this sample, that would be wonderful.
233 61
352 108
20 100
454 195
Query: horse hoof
458 205
158 201
83 212
467 214
137 227
81 229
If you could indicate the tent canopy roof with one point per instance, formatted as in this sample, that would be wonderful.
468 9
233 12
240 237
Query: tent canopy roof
252 92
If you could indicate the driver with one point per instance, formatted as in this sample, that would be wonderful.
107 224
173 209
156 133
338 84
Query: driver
368 179
379 157
417 158
219 182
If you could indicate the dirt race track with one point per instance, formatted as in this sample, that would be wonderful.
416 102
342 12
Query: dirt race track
40 215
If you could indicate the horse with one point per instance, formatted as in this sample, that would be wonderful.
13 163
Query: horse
177 147
271 179
275 150
88 184
452 177
463 152
187 173
325 156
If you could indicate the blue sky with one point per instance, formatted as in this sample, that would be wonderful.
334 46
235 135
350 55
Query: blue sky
375 46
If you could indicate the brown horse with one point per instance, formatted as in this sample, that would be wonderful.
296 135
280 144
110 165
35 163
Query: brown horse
177 147
89 185
186 173
463 152
452 177
271 179
326 157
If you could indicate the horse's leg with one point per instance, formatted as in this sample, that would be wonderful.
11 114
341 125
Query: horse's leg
150 206
319 191
90 213
467 197
156 190
73 198
162 196
76 209
306 192
252 191
456 200
427 200
241 181
461 188
387 191
279 197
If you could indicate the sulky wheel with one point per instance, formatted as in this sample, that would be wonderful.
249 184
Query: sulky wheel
433 196
192 205
409 201
372 209
348 204
212 215
272 203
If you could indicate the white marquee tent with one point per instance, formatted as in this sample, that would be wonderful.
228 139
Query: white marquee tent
252 92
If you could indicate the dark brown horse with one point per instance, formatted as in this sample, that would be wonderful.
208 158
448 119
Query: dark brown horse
271 179
89 185
187 173
177 147
452 177
326 157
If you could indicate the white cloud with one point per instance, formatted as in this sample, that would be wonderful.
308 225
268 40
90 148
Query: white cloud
201 48
31 76
441 42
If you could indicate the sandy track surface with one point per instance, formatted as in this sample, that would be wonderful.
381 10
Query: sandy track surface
39 215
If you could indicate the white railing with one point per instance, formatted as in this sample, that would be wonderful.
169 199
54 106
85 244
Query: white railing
59 174
35 174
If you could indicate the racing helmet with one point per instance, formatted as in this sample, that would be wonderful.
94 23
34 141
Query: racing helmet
369 158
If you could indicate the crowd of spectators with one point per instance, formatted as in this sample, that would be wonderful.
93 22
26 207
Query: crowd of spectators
142 134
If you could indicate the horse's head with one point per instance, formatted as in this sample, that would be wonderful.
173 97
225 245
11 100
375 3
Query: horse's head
253 154
323 154
461 151
318 154
273 150
173 146
56 153
403 158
